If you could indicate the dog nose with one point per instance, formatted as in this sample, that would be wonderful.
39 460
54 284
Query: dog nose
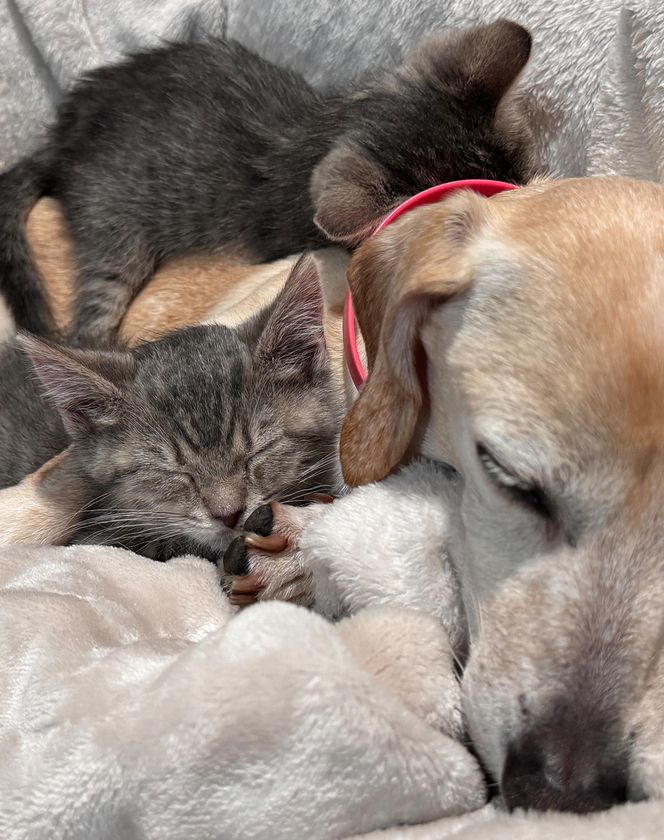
571 781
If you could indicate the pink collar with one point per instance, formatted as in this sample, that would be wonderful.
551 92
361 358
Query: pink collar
430 196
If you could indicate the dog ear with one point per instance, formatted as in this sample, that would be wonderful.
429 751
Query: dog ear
483 62
84 385
397 277
349 193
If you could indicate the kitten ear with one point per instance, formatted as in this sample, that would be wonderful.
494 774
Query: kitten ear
293 336
84 385
473 70
349 191
481 62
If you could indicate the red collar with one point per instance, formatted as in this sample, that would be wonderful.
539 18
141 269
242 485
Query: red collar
430 196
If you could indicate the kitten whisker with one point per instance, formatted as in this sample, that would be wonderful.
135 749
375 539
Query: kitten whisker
85 507
301 494
318 466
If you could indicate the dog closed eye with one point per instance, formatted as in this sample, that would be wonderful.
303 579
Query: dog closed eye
526 493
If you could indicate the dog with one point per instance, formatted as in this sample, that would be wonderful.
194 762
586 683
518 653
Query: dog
517 339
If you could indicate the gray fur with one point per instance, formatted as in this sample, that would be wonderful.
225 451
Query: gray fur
175 434
30 434
198 146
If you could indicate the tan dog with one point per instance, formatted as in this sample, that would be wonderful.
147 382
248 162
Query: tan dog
221 288
521 340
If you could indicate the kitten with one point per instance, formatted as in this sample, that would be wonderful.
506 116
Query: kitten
175 439
198 146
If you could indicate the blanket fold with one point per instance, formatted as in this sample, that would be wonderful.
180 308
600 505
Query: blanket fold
134 702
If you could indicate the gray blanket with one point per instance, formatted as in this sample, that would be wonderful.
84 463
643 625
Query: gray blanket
45 44
596 78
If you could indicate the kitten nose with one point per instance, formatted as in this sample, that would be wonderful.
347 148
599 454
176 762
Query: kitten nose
226 504
231 519
574 780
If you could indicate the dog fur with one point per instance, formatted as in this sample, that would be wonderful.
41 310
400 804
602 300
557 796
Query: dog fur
526 326
529 326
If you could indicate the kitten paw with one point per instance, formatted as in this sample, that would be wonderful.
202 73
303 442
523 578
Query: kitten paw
266 564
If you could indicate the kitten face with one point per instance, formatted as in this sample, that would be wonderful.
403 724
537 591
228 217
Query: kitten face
192 454
181 438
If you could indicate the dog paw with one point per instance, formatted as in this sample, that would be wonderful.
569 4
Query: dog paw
266 563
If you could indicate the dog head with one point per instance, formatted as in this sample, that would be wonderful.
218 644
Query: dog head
447 113
519 339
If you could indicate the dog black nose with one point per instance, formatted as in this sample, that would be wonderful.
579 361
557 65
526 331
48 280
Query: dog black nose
546 779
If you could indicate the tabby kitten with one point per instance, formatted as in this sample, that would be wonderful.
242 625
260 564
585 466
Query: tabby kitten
198 146
178 439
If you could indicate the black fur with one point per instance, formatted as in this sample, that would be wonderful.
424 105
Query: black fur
203 145
260 521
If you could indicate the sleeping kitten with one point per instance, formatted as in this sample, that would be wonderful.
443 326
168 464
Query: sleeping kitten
199 146
177 438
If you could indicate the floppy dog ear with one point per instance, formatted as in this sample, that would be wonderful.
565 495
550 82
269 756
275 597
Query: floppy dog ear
397 277
350 194
483 62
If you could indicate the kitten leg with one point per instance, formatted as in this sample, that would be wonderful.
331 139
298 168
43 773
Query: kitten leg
111 272
268 565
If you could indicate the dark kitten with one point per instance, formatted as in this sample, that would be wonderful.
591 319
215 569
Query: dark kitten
177 438
201 145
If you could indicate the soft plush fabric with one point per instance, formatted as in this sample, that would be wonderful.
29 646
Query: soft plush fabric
134 704
596 76
45 44
642 821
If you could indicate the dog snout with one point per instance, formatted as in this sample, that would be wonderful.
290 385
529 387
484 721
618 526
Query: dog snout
552 771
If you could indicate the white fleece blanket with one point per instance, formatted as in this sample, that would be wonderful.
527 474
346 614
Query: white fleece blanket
135 702
134 705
